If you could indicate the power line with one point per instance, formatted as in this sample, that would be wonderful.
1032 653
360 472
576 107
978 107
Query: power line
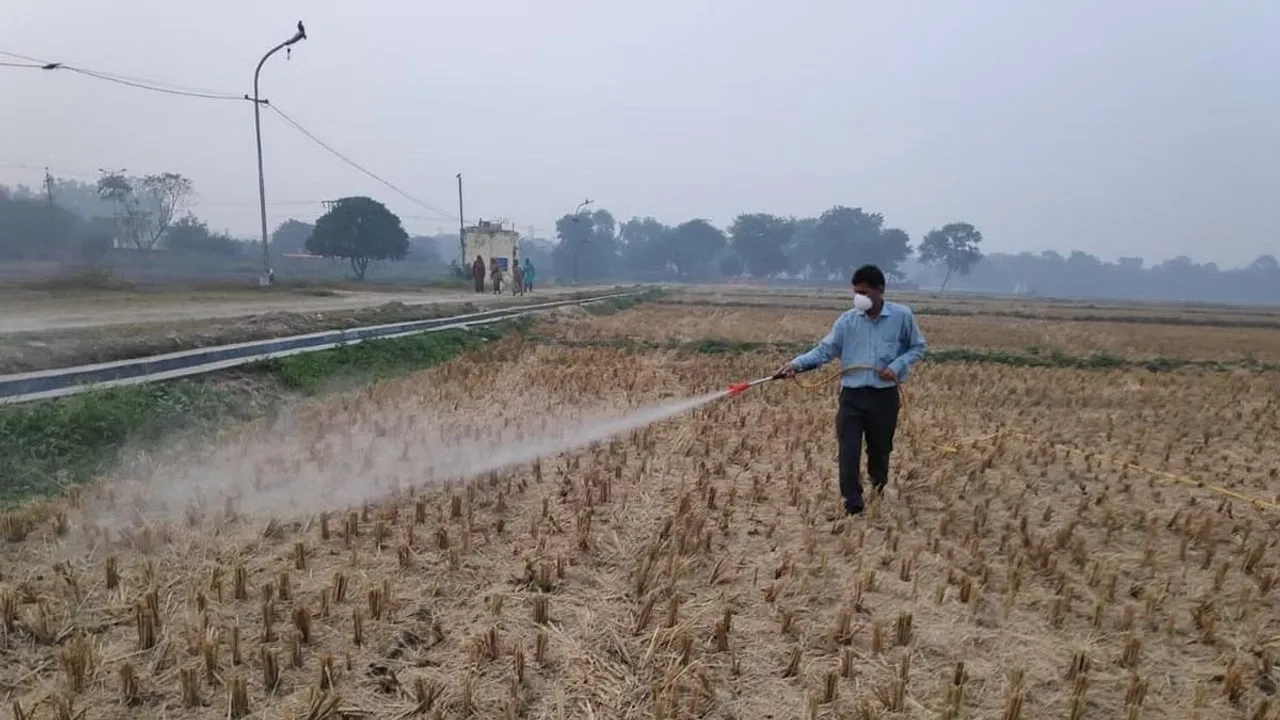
139 83
354 164
155 88
160 87
28 58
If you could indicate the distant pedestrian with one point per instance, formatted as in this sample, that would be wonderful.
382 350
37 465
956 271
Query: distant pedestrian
517 279
528 275
477 273
495 271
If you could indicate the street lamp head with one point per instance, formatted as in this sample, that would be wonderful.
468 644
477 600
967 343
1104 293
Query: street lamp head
300 35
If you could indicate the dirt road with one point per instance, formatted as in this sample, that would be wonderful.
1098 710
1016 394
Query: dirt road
32 313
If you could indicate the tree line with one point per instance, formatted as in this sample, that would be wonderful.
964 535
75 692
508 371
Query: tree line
149 212
594 246
69 220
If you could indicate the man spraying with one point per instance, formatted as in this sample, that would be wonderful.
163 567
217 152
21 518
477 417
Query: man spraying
878 343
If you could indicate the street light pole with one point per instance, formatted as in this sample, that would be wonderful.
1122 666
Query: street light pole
257 129
577 214
462 228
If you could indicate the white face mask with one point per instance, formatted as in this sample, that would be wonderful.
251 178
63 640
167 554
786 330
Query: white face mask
861 302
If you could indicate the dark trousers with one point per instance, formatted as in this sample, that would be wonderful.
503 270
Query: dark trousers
871 413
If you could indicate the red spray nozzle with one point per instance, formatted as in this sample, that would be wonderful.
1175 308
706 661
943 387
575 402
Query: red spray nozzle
739 388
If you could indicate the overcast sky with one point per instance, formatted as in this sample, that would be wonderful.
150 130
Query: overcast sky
1137 127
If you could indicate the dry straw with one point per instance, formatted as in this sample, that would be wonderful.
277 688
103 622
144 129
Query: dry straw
694 567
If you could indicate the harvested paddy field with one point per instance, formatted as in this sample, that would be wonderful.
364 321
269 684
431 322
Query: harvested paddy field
1055 543
680 320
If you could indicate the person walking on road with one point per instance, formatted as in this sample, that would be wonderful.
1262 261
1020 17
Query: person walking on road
495 272
528 275
885 337
517 279
477 273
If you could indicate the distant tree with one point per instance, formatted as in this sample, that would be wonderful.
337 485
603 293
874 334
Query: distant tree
424 249
731 266
1265 264
81 198
643 251
802 253
588 245
291 237
145 207
692 247
894 247
954 246
760 241
846 237
359 230
190 234
33 229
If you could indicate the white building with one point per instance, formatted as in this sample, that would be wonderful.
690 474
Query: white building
490 240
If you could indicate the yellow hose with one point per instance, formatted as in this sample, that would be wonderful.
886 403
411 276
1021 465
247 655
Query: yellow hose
830 375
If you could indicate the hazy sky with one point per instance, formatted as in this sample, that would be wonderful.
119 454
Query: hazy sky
1134 127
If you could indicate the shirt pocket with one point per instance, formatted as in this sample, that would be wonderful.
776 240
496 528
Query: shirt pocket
887 344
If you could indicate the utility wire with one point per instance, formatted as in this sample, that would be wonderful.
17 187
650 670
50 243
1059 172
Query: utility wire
140 83
156 86
354 164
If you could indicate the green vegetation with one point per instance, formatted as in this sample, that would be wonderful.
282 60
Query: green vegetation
51 444
1199 318
616 305
1032 357
374 360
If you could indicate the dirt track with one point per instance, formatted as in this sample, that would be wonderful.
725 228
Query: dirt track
35 313
62 332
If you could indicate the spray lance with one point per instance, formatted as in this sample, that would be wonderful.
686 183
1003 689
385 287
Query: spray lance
861 304
739 388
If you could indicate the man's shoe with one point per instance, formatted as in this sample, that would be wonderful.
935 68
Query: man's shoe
851 511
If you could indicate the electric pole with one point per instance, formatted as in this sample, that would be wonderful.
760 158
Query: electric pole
301 34
577 215
462 231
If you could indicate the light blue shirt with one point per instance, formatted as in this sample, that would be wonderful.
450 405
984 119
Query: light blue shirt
891 340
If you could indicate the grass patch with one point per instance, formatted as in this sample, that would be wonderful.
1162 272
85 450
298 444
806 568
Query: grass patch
50 445
373 360
91 278
1031 357
616 305
1160 316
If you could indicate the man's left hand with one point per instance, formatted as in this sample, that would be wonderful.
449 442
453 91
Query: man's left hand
888 375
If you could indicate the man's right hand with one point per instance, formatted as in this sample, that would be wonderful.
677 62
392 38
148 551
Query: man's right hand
786 371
